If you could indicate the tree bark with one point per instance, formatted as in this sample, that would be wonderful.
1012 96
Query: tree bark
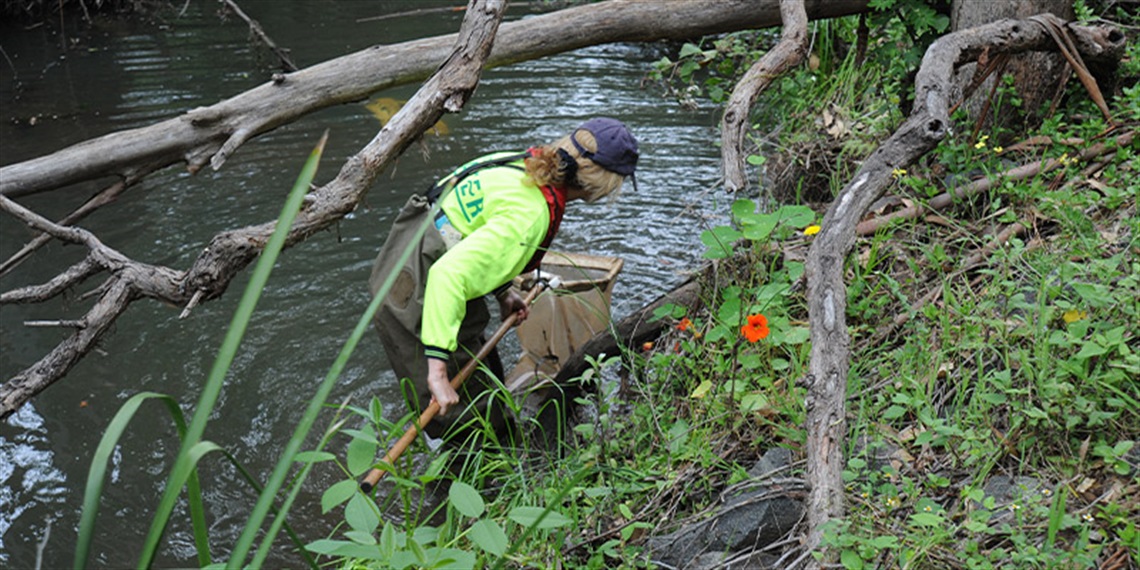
211 134
1036 74
927 124
786 54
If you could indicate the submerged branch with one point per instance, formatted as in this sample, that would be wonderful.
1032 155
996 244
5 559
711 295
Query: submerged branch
255 29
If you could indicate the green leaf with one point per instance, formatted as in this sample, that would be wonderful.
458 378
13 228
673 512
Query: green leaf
894 412
364 435
359 537
489 536
743 208
719 241
337 494
750 361
361 456
538 517
449 559
927 519
625 511
390 539
759 228
687 68
885 541
213 385
97 472
729 312
313 457
466 499
796 335
678 435
325 546
796 216
689 49
1090 349
702 389
752 402
851 560
718 333
360 513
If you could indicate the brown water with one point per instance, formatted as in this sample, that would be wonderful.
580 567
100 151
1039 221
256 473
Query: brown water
62 88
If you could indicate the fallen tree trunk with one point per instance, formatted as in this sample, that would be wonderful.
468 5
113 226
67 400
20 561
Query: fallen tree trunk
928 123
211 134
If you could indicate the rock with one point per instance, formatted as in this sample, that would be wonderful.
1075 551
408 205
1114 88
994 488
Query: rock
772 463
1010 493
751 518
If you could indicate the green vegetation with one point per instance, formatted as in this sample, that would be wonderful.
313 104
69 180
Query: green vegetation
994 400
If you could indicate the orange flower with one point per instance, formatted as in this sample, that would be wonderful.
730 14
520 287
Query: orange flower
647 346
756 329
684 324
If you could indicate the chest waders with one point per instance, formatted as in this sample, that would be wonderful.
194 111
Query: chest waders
399 319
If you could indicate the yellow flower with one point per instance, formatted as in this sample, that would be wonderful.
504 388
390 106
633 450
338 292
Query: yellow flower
982 142
898 172
998 149
1073 315
811 230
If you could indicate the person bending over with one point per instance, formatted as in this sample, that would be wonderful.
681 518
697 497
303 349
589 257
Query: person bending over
498 216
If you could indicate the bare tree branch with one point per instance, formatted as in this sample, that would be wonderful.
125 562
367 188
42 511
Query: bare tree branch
786 54
255 29
928 123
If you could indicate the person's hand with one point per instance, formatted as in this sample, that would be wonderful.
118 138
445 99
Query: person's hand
441 391
512 302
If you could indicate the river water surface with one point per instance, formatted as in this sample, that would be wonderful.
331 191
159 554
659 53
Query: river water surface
62 88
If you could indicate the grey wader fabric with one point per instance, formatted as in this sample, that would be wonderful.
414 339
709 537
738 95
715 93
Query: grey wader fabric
399 318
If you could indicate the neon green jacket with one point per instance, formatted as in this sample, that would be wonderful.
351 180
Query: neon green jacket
503 218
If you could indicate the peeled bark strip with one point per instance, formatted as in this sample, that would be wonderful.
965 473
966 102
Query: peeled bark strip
211 134
447 90
786 54
827 294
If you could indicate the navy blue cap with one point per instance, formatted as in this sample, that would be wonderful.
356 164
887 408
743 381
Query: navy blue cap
617 149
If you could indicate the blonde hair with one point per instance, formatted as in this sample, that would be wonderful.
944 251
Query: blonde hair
546 168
